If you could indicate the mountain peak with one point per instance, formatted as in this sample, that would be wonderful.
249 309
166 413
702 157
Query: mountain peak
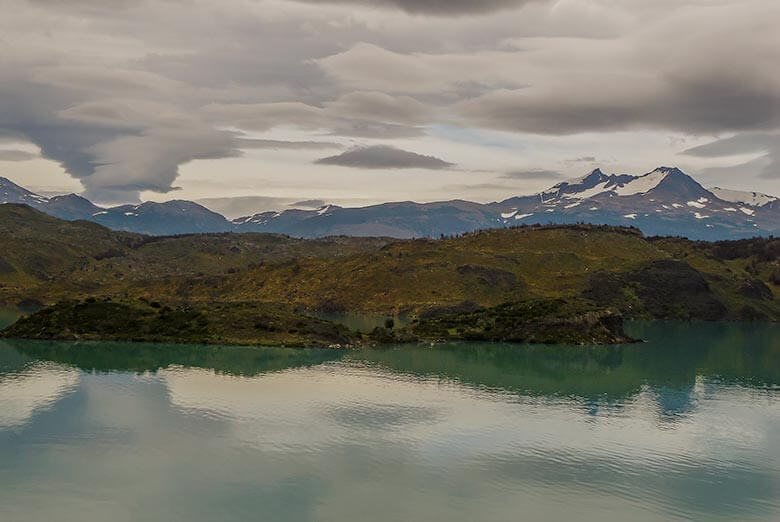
673 172
8 184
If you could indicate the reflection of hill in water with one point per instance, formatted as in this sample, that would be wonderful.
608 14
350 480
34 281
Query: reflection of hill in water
144 357
669 363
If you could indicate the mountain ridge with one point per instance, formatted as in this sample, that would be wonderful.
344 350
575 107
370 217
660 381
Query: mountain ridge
665 201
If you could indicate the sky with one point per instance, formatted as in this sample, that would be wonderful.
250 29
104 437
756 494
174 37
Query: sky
362 101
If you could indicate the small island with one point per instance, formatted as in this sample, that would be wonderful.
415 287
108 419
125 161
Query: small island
547 322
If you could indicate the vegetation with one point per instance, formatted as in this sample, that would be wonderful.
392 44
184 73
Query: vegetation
145 357
480 285
550 321
233 323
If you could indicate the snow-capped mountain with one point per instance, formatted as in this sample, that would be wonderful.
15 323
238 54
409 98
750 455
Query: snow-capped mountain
665 201
10 192
171 217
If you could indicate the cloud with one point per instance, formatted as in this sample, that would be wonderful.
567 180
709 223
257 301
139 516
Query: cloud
735 145
309 203
241 206
384 157
116 147
251 143
370 67
433 7
121 170
378 106
533 174
766 165
123 93
16 155
350 116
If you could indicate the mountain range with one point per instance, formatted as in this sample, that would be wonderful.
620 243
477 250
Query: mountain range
664 202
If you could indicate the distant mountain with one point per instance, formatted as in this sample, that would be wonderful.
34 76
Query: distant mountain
70 207
169 218
10 192
402 220
665 202
162 219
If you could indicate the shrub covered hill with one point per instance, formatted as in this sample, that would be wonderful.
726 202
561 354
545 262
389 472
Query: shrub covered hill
467 278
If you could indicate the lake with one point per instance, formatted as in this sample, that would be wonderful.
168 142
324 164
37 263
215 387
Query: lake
683 427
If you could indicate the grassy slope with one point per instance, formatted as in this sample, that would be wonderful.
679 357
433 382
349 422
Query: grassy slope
489 268
49 259
52 260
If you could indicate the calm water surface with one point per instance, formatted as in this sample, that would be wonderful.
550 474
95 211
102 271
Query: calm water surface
686 426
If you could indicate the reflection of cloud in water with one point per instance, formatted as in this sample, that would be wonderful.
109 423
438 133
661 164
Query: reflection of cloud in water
381 416
331 403
343 441
33 389
361 437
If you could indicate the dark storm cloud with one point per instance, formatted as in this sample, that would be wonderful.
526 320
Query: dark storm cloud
384 157
433 7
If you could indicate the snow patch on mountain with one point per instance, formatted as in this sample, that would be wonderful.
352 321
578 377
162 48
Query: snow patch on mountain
753 199
589 193
642 184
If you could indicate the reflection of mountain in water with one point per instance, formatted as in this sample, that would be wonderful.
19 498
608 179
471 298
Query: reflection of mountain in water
668 366
148 357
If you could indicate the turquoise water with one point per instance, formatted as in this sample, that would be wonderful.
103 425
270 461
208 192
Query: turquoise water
683 427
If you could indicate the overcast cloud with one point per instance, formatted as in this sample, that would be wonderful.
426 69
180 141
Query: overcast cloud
136 99
384 157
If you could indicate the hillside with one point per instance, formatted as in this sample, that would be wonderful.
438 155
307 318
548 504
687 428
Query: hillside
45 257
49 260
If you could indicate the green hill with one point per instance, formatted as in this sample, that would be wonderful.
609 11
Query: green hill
49 260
